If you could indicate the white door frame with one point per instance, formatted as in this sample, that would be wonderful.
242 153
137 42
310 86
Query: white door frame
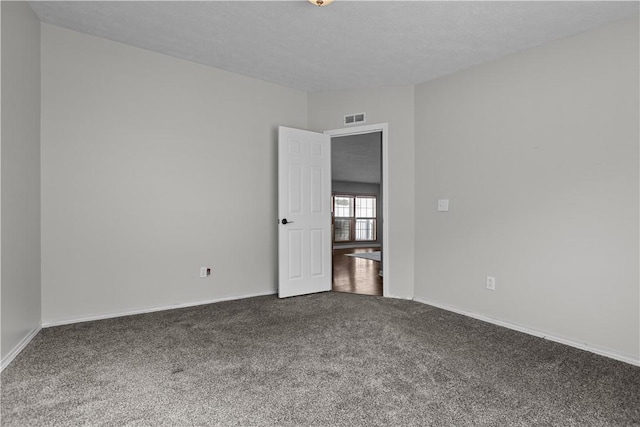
384 129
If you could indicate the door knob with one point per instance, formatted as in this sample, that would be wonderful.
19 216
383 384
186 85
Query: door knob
285 222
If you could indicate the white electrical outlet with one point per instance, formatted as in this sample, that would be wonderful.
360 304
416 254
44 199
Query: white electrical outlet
491 283
443 205
203 272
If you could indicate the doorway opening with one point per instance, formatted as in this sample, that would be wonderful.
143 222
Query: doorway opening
358 207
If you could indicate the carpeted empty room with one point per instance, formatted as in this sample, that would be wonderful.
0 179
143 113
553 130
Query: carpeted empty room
323 359
195 197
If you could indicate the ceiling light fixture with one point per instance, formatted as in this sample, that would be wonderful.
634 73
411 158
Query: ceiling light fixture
320 2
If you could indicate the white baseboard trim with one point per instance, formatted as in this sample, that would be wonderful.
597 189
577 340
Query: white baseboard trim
60 322
398 297
597 350
18 348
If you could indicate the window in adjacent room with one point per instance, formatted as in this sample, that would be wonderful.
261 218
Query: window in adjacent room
354 218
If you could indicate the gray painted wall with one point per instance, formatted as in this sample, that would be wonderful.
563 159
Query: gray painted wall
153 167
357 158
538 153
395 106
20 171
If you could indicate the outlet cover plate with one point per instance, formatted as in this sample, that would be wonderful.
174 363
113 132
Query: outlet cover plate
443 205
491 283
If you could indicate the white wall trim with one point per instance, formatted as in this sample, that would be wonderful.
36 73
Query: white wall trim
90 318
566 341
384 129
18 348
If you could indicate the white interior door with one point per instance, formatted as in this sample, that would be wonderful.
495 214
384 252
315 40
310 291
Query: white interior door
304 212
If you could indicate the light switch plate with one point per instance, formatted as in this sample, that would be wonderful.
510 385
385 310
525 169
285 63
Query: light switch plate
443 205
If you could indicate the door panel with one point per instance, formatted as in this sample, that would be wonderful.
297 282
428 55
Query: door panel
304 212
317 252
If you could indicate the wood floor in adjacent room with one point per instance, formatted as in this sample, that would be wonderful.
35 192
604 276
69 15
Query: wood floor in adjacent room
356 275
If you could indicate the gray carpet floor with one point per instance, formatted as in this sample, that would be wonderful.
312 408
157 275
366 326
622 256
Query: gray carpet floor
318 360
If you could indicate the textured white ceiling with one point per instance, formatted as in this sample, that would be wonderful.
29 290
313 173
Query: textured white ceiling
347 45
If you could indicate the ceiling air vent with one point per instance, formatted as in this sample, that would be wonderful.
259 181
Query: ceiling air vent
352 119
